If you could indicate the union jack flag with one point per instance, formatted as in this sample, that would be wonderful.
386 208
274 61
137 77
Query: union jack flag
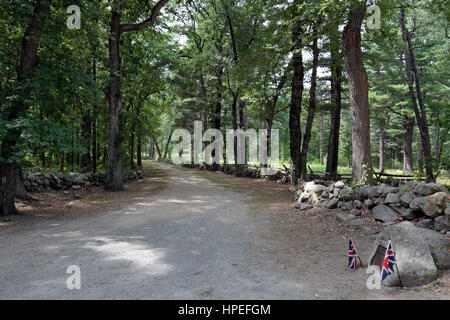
388 262
352 255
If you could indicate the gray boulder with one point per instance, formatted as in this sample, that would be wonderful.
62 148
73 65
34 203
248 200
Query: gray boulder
384 213
442 223
392 198
447 211
426 189
369 203
435 204
407 213
388 189
370 192
415 263
425 224
418 204
407 198
439 246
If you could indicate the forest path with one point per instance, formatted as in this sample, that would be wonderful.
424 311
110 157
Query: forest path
204 236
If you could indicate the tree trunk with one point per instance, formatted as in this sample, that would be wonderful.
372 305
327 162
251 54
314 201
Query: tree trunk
20 192
421 117
359 94
407 145
114 171
382 144
152 149
311 106
86 126
437 148
167 145
205 100
234 114
322 137
336 97
94 123
132 139
61 162
139 151
218 112
296 101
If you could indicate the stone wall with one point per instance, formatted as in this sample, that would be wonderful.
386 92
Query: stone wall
40 182
249 172
426 203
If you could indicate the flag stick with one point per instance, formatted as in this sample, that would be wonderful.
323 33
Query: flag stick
396 267
360 261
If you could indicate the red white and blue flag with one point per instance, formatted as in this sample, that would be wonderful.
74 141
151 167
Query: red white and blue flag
388 262
352 255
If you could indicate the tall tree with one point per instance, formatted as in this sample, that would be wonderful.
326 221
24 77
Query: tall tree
359 92
113 93
413 77
296 96
312 101
10 162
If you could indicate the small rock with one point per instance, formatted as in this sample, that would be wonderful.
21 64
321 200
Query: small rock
76 187
369 203
317 188
332 204
305 207
339 184
358 204
348 206
313 199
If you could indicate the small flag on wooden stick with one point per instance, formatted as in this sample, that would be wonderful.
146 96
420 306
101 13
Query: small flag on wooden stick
388 262
352 255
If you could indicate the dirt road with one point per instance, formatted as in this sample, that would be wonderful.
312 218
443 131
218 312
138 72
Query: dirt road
203 236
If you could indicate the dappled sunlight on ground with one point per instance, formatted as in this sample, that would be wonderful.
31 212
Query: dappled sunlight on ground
138 254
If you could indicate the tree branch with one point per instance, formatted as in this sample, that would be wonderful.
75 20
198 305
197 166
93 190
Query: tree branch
151 20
